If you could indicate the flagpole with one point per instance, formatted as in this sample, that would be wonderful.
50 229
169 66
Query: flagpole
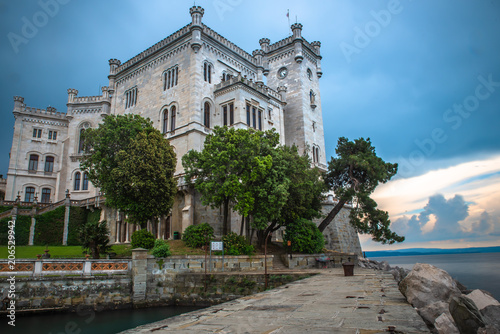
288 16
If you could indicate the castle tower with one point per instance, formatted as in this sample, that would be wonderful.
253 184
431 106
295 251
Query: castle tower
295 64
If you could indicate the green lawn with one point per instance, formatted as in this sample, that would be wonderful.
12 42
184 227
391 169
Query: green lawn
30 252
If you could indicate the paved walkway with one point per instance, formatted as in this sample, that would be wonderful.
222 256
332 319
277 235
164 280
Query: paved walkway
368 302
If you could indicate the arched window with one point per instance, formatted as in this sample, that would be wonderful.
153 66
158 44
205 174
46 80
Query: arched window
165 121
81 149
49 164
33 165
76 185
85 183
206 114
29 194
172 118
45 195
207 72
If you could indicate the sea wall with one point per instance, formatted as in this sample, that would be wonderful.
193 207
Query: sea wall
309 261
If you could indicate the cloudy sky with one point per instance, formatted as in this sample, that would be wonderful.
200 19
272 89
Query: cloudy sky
420 78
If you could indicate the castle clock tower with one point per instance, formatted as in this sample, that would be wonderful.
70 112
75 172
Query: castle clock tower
293 67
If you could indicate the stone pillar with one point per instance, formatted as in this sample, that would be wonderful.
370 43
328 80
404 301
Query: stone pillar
117 232
139 274
67 205
32 231
158 231
127 237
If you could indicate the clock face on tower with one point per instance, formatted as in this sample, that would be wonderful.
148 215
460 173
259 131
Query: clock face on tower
282 72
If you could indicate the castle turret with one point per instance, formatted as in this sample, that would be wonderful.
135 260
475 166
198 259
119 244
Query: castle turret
317 46
106 106
297 38
282 91
19 103
196 27
113 66
259 55
72 93
264 46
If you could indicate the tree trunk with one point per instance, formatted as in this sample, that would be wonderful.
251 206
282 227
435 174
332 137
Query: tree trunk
331 215
242 226
225 226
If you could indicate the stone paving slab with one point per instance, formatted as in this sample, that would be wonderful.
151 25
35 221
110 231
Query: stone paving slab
366 303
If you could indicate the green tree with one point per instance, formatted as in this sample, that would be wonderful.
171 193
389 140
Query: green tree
94 238
230 161
291 190
353 176
133 165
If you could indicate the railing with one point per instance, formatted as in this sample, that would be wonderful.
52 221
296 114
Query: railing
97 200
65 267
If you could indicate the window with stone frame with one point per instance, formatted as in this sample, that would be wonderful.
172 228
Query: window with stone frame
46 195
206 114
248 114
170 77
29 194
37 133
76 183
228 114
165 121
85 181
259 120
52 135
173 111
131 97
207 72
33 163
49 164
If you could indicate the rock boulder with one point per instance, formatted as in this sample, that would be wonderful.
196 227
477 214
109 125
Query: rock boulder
482 299
466 315
427 284
445 325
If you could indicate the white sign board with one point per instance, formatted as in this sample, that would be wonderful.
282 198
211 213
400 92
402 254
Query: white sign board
216 246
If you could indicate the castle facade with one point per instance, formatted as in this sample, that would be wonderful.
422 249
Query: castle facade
186 84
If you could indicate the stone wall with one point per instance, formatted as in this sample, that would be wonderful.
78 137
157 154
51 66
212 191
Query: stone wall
340 235
71 293
307 261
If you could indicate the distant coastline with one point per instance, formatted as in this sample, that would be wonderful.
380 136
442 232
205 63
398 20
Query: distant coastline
431 251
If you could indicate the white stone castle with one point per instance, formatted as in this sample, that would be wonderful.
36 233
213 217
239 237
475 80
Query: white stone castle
187 84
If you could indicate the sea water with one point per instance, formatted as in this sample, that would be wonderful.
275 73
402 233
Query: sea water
475 271
104 322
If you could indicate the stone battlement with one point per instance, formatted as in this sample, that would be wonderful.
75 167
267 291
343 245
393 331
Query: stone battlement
230 45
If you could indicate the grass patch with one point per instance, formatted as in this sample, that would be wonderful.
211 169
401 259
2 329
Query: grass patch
177 247
60 252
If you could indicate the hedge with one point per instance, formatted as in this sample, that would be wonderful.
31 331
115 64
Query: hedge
49 227
22 230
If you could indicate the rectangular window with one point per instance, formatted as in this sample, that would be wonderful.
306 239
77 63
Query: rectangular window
224 113
260 119
45 195
254 117
49 164
231 113
37 133
248 114
33 165
131 97
52 135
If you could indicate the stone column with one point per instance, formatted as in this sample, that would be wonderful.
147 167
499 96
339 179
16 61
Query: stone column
139 274
158 231
32 231
67 204
127 237
117 232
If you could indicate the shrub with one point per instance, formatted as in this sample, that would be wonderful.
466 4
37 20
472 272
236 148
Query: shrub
142 239
161 248
94 238
305 237
49 227
198 235
235 244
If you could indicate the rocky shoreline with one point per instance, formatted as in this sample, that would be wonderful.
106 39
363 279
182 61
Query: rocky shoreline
446 305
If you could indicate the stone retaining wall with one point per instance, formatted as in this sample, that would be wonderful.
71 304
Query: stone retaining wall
307 261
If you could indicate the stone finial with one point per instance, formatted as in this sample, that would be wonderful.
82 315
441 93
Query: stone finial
19 99
18 103
264 44
317 46
297 30
72 93
196 15
282 91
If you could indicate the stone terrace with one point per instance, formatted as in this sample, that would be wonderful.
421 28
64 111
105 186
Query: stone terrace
368 302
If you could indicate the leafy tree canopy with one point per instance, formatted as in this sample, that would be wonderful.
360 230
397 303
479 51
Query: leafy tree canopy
133 165
230 161
353 175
